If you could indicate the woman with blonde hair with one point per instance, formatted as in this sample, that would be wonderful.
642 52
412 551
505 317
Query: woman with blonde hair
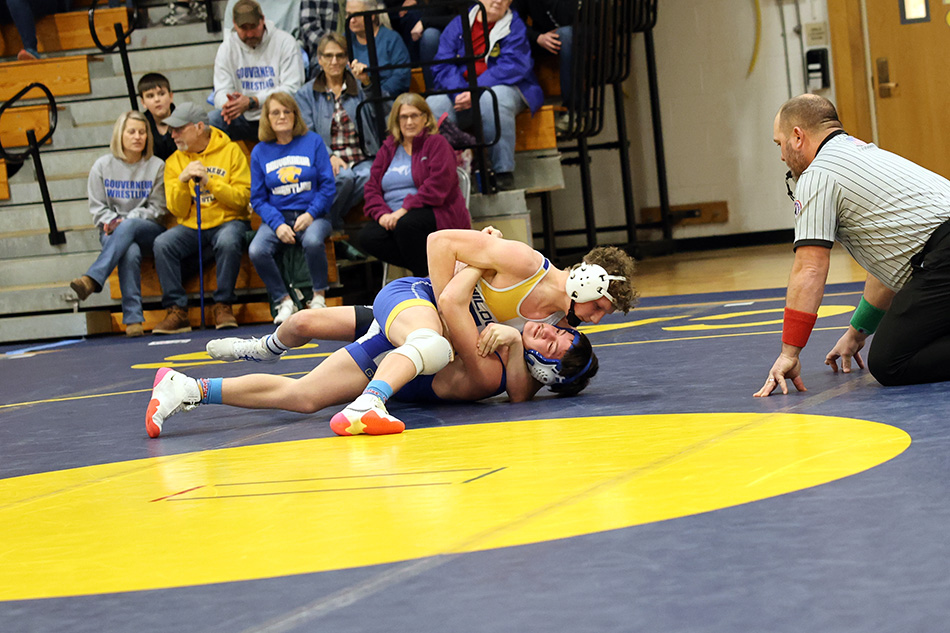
127 201
413 188
292 189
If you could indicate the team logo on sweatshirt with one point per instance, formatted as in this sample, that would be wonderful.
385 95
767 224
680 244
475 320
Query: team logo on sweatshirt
289 174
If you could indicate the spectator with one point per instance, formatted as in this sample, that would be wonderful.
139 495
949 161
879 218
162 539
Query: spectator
254 60
390 50
413 188
317 18
328 104
292 189
425 29
24 14
156 94
127 202
551 33
205 157
505 67
284 13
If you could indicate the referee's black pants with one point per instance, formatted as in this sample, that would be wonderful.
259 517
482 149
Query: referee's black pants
405 245
912 343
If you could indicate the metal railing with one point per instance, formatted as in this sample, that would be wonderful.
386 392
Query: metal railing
603 33
120 37
376 99
33 150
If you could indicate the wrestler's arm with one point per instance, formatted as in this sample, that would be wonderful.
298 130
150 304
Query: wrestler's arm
519 383
480 250
482 372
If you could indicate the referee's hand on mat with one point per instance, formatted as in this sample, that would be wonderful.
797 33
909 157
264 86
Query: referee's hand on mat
848 346
786 367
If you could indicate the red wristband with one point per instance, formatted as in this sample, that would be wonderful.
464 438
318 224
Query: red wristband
796 328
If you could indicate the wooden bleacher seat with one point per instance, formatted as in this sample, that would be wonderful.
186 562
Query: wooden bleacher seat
67 31
17 121
4 184
62 75
535 132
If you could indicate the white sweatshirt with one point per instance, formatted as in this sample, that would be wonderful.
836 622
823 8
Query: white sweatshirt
275 65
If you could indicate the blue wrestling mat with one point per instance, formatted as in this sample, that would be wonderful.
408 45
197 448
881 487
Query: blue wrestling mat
664 498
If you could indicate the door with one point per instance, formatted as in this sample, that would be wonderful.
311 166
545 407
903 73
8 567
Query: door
909 43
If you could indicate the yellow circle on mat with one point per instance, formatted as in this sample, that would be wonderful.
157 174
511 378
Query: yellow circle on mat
315 505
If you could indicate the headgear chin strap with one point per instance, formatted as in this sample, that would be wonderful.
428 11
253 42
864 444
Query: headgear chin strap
589 282
547 371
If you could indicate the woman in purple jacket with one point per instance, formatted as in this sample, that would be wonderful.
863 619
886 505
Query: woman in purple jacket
413 188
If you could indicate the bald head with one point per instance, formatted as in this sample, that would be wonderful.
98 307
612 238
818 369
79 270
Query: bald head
816 115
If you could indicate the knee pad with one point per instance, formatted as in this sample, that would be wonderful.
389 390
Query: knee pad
427 350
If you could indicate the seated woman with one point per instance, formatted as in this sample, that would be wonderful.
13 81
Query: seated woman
292 189
127 202
413 188
390 50
479 369
504 65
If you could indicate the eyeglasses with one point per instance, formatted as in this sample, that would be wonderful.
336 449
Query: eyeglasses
788 190
336 56
411 117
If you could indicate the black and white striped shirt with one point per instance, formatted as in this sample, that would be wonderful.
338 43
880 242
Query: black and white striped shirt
880 206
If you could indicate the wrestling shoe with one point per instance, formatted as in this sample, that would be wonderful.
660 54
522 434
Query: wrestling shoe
372 419
171 392
233 348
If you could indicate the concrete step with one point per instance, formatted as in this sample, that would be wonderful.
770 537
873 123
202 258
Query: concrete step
47 326
168 36
538 171
55 269
62 164
51 296
32 217
106 111
167 59
27 191
499 204
36 242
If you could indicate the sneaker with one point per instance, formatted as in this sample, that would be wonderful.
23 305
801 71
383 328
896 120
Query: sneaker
318 301
371 419
83 286
223 317
198 9
180 15
171 392
233 348
175 322
562 125
27 54
284 310
505 180
133 330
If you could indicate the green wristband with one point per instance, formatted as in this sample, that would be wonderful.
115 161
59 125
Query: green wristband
866 317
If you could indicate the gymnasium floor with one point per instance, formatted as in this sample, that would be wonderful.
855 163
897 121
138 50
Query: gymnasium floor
665 498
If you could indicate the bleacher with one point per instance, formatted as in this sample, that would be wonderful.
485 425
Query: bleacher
90 91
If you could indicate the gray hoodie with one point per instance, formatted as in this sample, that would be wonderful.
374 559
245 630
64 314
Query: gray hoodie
276 64
127 190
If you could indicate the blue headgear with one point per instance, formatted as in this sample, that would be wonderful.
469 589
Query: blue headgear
547 371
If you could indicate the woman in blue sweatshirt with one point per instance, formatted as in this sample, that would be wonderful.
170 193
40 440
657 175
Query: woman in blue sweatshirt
292 189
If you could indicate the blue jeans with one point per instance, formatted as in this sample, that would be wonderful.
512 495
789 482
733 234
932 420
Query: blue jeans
172 247
240 129
124 248
349 190
428 48
510 103
566 33
265 246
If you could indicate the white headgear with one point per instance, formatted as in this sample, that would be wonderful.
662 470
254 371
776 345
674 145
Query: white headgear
589 282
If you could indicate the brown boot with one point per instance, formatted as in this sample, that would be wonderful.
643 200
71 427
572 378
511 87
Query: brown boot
223 317
175 322
134 329
84 286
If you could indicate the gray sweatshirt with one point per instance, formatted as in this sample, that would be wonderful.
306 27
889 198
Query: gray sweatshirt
127 190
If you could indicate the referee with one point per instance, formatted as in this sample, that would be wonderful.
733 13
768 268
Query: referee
891 215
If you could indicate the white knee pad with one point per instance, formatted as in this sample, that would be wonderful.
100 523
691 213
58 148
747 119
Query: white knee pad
428 351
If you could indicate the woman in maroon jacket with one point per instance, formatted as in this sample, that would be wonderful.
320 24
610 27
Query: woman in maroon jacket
413 188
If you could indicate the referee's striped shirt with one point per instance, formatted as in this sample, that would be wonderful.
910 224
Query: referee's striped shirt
880 206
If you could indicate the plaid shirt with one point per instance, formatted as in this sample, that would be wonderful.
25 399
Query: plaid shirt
317 18
344 138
